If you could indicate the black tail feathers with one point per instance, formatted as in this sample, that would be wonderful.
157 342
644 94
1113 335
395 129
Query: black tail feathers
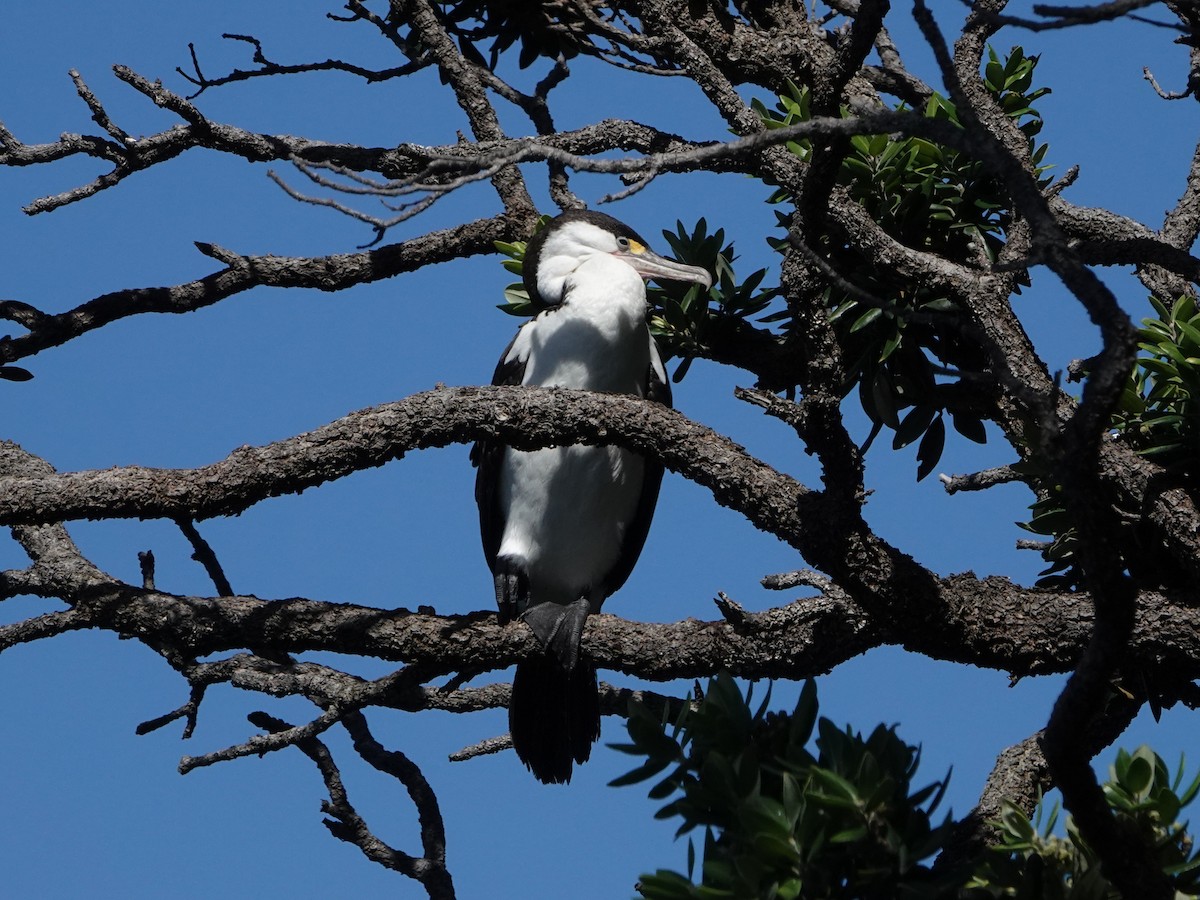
554 715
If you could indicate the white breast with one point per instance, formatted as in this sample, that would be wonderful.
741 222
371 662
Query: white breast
566 508
597 339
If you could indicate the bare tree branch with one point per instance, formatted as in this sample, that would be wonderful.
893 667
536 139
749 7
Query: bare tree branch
328 273
346 824
267 68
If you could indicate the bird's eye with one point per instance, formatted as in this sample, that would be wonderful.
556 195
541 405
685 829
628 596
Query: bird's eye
623 243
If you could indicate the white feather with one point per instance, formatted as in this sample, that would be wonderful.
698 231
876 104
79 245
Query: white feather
566 508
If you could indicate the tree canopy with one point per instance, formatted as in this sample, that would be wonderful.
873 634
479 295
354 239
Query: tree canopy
927 322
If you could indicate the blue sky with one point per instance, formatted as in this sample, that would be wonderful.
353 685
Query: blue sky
93 810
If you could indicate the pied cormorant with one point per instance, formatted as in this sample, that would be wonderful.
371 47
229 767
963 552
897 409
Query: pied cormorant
562 527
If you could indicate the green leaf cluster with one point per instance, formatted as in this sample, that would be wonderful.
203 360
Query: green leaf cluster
931 198
682 314
1159 412
1050 519
1158 415
791 806
516 299
779 821
1033 863
542 31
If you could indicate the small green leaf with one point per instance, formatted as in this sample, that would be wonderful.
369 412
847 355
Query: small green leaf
929 451
969 427
913 425
15 373
867 318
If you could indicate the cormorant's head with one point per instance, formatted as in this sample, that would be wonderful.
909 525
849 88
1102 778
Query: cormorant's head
566 241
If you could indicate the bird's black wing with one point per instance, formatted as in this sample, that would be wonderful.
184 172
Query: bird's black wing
658 389
486 456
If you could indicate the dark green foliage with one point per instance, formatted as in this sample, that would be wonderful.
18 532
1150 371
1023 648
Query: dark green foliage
516 298
1159 416
1160 409
778 821
1050 519
542 30
901 346
681 314
15 373
1033 863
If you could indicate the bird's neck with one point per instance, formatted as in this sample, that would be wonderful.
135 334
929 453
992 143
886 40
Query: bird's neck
606 290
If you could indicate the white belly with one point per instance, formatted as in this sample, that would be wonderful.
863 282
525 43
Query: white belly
567 510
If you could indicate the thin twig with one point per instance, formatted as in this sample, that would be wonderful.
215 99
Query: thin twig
203 553
981 481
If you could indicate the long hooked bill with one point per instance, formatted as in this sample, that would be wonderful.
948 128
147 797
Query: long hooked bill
649 264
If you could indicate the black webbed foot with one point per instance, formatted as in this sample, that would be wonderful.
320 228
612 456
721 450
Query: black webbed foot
559 628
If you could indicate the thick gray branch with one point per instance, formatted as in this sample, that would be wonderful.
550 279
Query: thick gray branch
523 417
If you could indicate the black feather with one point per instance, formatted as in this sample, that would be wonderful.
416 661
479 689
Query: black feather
486 456
658 390
554 716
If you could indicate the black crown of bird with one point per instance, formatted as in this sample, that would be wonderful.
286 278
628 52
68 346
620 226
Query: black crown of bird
562 527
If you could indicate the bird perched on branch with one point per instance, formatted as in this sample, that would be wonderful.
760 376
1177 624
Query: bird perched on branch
562 527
